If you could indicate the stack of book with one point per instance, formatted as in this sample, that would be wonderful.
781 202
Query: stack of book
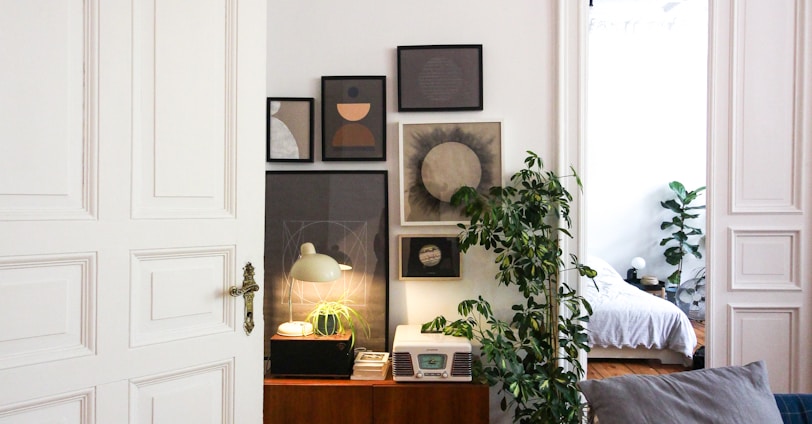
370 366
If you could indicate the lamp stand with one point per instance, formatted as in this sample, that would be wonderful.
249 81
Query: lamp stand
293 328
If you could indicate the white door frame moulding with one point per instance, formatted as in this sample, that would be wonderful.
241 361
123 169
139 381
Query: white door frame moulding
571 118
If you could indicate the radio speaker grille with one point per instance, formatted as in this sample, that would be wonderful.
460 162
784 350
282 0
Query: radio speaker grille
461 365
402 364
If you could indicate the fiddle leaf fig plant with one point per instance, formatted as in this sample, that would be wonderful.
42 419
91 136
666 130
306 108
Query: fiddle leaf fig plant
684 238
533 355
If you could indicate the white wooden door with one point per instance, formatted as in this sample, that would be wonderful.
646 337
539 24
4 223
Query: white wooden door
131 198
760 188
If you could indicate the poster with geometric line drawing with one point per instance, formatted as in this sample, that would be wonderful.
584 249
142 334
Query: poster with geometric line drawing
345 215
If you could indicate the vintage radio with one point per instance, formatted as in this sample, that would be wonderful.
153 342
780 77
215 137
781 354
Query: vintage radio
429 357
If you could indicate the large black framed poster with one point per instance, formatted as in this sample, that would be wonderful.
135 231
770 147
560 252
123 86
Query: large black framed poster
345 215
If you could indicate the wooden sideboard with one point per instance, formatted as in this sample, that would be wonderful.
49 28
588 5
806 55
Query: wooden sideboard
299 400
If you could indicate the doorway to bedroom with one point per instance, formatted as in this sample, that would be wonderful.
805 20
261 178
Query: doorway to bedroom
646 127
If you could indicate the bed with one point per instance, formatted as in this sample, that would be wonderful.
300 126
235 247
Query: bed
629 323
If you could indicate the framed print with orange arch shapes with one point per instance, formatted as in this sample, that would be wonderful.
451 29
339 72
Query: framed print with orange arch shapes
353 118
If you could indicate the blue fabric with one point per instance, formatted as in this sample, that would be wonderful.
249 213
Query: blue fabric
795 408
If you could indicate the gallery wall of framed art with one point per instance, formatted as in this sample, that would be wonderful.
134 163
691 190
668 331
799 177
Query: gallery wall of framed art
343 209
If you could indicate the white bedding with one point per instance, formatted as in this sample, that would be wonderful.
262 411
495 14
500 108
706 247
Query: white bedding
627 317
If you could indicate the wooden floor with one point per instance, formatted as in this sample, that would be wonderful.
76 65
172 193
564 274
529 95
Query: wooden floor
603 368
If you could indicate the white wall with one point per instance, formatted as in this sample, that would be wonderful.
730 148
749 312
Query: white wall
307 40
646 126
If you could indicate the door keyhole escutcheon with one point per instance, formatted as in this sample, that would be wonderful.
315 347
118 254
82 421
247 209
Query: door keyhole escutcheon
249 286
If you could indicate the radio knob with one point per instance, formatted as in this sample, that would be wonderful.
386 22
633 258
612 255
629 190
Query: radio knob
445 374
419 375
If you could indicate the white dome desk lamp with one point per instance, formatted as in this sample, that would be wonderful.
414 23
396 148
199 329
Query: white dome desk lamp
313 267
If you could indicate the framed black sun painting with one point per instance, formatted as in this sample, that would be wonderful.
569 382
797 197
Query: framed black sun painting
353 114
436 159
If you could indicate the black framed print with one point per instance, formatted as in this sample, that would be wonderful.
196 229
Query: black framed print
429 257
289 129
440 78
353 113
345 215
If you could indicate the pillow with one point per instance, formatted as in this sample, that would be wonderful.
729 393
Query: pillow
602 267
735 395
795 408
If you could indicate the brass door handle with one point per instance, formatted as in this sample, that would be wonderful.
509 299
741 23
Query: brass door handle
249 286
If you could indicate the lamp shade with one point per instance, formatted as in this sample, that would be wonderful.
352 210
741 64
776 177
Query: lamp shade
315 267
638 263
312 267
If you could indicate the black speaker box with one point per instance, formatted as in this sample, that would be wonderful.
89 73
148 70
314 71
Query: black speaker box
312 356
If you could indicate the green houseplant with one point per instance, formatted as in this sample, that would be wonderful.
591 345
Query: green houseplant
533 357
684 237
337 316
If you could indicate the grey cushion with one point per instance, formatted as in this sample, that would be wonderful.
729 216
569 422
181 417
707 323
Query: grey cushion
736 395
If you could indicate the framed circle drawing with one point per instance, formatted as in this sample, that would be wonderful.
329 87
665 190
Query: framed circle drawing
436 159
429 257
